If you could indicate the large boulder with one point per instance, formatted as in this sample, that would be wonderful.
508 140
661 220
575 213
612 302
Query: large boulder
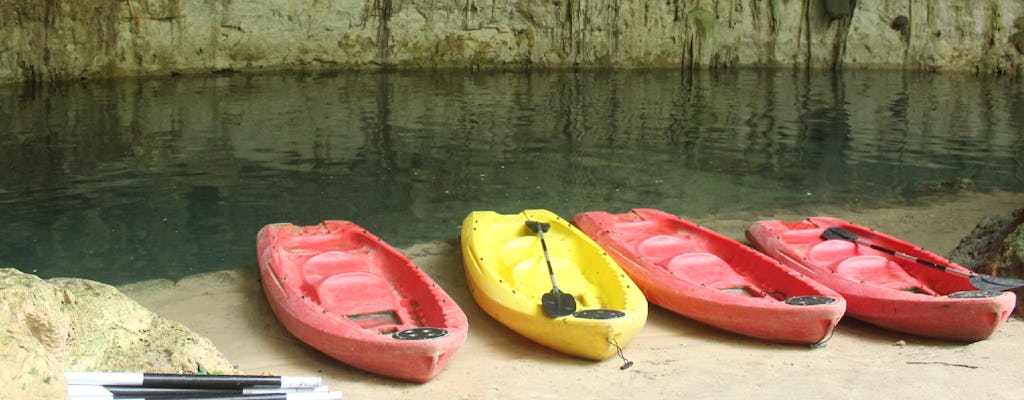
63 324
995 247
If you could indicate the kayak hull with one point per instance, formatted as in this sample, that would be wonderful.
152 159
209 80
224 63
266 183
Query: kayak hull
883 289
705 276
345 292
507 275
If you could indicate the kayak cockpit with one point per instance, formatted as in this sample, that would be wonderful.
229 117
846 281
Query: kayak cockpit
859 264
347 283
683 260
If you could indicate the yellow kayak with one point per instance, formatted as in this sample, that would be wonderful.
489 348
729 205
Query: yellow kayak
507 262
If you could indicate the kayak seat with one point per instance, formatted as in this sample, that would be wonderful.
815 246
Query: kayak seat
659 249
518 257
516 251
327 264
531 278
629 231
879 271
831 252
365 298
710 271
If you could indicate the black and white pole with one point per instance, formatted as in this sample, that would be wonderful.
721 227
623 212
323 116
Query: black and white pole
190 381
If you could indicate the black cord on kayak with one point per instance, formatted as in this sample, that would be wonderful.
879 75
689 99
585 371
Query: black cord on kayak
618 350
823 342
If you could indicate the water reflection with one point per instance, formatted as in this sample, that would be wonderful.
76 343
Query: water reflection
130 179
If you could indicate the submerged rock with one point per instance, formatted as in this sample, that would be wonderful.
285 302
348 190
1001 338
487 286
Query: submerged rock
995 247
64 324
944 187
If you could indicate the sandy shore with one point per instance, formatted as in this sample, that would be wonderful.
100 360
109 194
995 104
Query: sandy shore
673 357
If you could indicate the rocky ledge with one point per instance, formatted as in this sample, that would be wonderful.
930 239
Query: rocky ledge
64 324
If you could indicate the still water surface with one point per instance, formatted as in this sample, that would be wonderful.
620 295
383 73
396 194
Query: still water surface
126 180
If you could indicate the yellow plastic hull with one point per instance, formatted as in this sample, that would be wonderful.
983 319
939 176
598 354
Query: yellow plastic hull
507 275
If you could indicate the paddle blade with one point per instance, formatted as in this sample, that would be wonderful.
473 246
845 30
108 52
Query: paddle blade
557 304
995 283
838 233
538 226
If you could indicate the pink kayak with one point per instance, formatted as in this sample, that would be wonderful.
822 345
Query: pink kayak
345 292
882 287
713 279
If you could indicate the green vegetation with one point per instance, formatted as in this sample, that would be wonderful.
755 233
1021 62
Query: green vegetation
703 21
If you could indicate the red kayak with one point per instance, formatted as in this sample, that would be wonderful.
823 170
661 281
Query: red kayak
886 281
713 279
348 294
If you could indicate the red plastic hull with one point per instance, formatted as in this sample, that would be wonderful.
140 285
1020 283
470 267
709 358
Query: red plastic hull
711 278
880 288
345 292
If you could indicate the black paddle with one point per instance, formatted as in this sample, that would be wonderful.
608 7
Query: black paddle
555 303
980 281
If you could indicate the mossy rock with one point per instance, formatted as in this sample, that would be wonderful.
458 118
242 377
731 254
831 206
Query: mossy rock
995 247
67 324
1012 259
979 249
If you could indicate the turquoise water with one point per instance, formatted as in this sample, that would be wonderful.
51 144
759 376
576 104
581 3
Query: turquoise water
126 180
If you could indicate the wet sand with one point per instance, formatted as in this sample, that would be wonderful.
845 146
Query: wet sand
673 357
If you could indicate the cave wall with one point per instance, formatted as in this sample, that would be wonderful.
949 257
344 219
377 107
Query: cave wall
49 39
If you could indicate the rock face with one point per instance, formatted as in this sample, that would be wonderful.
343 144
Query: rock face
996 247
65 324
45 40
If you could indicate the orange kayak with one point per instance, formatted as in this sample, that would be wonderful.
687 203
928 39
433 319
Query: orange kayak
882 288
345 292
713 279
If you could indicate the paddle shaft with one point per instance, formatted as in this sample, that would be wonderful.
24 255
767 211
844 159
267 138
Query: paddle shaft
554 303
980 281
190 396
188 381
136 391
915 259
547 259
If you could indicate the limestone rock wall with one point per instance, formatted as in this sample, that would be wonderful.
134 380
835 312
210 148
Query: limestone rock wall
51 39
65 324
